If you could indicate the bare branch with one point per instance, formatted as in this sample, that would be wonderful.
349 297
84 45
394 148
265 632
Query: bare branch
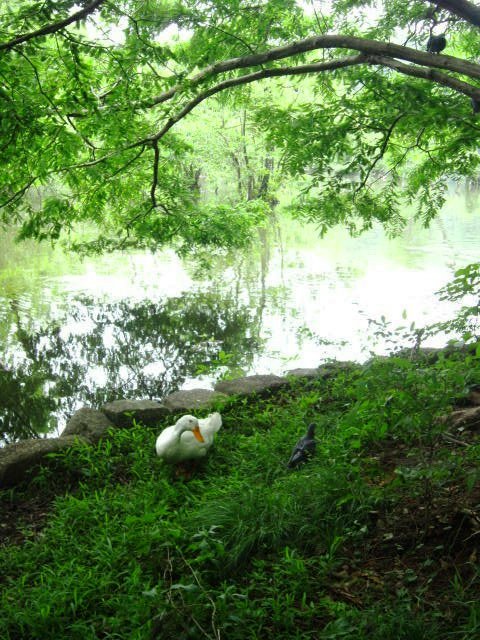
52 28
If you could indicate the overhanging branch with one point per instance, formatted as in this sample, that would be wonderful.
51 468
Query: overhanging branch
431 75
463 9
52 28
362 45
253 77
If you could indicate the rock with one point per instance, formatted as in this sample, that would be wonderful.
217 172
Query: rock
465 418
89 423
330 369
474 395
428 355
323 371
123 412
310 374
18 458
260 384
191 399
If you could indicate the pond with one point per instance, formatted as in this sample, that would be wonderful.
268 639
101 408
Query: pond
140 325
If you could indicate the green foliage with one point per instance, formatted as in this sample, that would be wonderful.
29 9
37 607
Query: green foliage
464 287
396 623
361 148
95 119
130 551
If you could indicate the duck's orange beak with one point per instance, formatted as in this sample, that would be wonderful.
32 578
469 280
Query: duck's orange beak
198 435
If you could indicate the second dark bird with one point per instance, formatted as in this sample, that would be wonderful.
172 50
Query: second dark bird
304 449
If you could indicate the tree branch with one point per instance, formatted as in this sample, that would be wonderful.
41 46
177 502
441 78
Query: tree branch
40 87
431 75
52 28
259 75
400 160
463 9
91 163
85 165
381 153
362 45
156 161
19 193
428 74
235 37
127 164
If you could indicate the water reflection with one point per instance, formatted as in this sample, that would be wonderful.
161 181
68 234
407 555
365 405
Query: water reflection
472 190
102 351
141 324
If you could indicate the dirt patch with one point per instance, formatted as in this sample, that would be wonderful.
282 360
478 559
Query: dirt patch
23 518
425 535
416 554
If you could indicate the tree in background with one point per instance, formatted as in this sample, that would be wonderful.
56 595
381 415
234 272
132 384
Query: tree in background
93 96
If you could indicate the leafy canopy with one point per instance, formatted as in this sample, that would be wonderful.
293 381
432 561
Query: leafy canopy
94 96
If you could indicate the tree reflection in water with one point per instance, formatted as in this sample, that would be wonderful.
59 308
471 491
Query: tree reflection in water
101 351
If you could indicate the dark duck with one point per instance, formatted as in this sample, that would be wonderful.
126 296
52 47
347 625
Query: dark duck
304 449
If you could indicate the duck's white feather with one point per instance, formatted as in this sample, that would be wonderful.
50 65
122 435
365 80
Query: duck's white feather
210 425
178 443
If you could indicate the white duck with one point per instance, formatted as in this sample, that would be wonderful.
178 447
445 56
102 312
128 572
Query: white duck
188 439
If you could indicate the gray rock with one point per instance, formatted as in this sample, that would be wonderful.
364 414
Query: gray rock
466 418
332 368
18 458
89 423
123 412
191 399
323 371
304 373
260 384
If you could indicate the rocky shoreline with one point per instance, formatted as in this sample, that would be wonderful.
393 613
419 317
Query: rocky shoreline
20 459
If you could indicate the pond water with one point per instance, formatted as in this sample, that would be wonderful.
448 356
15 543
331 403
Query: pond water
140 325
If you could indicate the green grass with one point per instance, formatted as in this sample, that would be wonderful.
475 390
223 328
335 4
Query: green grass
248 548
